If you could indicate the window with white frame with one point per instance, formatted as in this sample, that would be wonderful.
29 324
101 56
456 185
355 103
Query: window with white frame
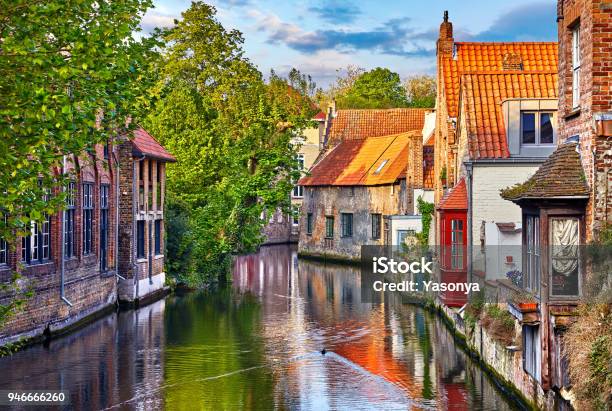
36 247
298 191
531 279
576 66
88 205
537 128
69 221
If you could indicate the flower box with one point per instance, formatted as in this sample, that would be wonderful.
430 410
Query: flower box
527 307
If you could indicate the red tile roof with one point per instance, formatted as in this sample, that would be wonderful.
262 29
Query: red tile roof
320 116
480 57
370 161
456 198
360 124
482 95
145 145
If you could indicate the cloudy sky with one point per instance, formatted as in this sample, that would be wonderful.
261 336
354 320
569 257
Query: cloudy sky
320 36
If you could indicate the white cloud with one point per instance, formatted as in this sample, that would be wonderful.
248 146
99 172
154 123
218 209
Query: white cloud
154 19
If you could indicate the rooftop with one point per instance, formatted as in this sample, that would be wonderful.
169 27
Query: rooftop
482 95
470 58
364 123
560 177
456 198
145 145
365 162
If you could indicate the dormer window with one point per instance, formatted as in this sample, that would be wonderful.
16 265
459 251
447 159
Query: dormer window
380 167
537 128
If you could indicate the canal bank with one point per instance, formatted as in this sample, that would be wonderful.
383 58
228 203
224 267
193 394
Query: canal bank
257 344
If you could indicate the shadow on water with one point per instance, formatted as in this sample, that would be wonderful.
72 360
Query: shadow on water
257 345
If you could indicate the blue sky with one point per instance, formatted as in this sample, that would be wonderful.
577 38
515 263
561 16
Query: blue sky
321 36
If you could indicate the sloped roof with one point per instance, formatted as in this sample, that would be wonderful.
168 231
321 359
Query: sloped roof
145 145
320 116
360 124
476 57
560 176
482 95
370 161
456 198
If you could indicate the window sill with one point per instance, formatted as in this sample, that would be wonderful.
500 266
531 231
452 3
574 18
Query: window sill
142 260
158 256
572 114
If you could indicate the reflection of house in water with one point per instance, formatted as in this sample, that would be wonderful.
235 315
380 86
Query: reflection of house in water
114 360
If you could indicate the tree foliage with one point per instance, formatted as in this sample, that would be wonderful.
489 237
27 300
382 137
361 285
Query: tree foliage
232 136
421 91
378 88
62 63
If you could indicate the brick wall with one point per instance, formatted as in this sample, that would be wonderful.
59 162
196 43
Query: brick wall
86 287
595 20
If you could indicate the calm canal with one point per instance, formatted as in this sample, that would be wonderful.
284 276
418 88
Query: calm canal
256 345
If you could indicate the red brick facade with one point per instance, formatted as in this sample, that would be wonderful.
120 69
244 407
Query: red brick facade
88 285
590 120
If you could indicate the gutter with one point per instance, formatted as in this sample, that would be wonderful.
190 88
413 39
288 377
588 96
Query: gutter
468 167
522 160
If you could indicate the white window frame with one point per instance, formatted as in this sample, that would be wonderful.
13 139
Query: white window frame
538 126
298 191
576 66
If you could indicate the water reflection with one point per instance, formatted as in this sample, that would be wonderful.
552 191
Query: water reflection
257 346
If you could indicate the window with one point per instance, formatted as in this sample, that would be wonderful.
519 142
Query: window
36 247
531 351
298 191
69 220
346 222
380 166
158 224
88 203
564 264
296 216
576 66
329 227
3 248
104 189
150 165
160 206
141 198
531 269
537 128
457 244
140 239
376 223
106 151
309 223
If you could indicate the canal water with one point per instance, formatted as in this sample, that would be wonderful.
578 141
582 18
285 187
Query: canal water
258 345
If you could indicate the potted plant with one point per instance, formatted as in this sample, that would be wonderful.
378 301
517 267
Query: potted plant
524 301
516 276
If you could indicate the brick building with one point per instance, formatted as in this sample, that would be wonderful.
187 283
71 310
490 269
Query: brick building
359 184
74 259
566 203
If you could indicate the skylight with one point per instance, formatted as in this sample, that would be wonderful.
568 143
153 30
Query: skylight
380 166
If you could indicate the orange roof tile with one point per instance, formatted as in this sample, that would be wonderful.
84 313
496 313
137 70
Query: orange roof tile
370 161
359 124
479 57
456 198
145 145
482 95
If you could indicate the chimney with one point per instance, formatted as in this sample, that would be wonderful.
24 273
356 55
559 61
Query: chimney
446 42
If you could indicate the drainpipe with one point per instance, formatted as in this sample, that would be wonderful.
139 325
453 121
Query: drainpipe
63 230
468 167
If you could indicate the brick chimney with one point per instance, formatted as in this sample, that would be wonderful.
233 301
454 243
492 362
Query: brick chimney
446 41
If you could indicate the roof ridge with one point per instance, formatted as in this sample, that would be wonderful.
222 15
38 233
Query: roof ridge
506 42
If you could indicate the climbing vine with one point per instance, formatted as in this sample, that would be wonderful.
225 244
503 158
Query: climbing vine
426 210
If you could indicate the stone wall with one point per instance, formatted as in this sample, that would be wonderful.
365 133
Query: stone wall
361 201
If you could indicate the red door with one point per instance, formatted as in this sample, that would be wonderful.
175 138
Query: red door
453 255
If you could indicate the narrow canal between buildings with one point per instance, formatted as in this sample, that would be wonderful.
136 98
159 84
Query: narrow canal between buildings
257 345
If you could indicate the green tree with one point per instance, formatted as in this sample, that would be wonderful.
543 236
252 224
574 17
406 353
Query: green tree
62 64
421 91
378 88
232 136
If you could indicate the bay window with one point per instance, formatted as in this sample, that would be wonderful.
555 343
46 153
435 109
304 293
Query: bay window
564 257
